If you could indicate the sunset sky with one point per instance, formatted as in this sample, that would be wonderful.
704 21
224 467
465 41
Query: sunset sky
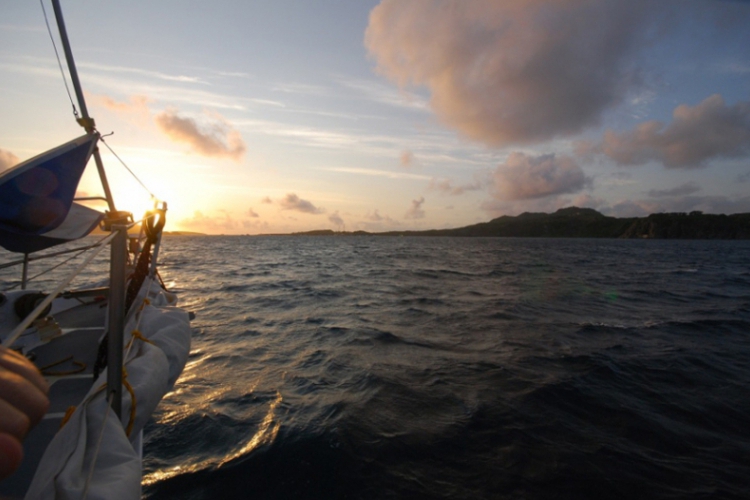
274 116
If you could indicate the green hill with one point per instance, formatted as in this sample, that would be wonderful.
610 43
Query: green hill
574 222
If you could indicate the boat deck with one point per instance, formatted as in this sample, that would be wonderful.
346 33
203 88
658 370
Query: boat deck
67 362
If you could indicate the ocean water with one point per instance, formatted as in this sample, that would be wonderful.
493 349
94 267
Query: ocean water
376 368
389 368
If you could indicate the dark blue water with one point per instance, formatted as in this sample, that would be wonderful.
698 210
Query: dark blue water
377 368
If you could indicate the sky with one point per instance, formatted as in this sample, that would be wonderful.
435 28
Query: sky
277 116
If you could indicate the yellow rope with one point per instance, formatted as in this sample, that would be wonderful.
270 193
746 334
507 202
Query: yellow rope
129 387
138 335
47 373
68 413
42 368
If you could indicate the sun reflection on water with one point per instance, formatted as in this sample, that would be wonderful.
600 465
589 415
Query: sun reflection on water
266 433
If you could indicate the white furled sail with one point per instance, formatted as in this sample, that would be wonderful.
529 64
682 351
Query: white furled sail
95 454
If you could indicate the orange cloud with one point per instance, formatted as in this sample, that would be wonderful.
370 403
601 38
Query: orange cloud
524 177
217 139
446 186
136 108
696 135
137 103
7 159
513 71
407 159
220 222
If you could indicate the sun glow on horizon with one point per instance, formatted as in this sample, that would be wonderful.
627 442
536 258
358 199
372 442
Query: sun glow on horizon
370 118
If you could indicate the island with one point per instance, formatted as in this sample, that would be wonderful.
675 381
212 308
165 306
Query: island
575 222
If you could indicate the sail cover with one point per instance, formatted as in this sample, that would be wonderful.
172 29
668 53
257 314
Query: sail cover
36 198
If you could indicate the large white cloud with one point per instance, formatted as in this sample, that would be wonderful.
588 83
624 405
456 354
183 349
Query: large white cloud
513 71
524 177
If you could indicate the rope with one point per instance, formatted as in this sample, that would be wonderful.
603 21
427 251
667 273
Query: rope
141 271
45 369
133 402
138 335
59 63
68 413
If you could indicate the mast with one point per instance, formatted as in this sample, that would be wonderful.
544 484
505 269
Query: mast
85 121
118 249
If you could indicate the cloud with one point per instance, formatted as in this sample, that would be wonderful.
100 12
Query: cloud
706 204
266 200
136 108
681 190
524 177
221 221
383 94
216 139
630 208
696 135
415 211
7 159
585 200
376 222
514 71
336 219
377 173
255 224
496 208
446 186
252 213
136 104
293 202
407 159
374 216
200 222
140 72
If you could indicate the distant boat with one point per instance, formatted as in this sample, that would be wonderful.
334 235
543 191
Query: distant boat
110 351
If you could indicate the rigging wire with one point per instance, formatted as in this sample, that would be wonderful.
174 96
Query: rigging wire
81 252
59 63
23 325
75 111
128 168
48 270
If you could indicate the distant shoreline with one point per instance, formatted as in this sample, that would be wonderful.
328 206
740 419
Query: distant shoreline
574 222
